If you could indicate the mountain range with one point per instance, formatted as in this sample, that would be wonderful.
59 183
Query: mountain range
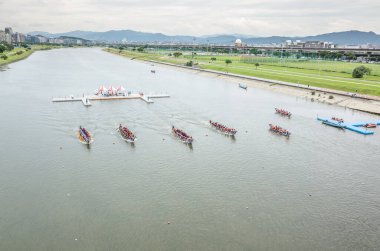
353 37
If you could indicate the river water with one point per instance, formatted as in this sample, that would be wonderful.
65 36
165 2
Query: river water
318 190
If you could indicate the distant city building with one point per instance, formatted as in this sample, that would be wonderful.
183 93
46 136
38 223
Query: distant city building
31 39
18 38
42 39
309 44
369 46
238 43
2 36
55 41
11 37
294 44
39 39
8 30
5 37
71 40
354 46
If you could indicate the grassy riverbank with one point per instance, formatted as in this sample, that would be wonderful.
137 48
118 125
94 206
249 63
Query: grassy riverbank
20 53
324 74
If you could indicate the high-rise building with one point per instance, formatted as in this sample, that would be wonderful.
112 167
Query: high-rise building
18 37
2 36
8 30
5 37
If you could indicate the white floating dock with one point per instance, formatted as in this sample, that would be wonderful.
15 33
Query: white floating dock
86 100
146 99
66 99
158 96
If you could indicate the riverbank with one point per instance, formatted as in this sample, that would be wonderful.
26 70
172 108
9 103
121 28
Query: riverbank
21 53
360 102
332 75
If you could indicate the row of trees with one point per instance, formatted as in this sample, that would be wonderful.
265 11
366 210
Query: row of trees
121 48
285 54
229 61
4 46
327 55
358 72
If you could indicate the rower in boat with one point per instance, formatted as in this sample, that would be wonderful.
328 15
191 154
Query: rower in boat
279 130
184 137
333 123
340 120
370 125
126 134
84 136
222 128
283 112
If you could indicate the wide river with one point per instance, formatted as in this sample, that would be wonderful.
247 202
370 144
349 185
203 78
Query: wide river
317 190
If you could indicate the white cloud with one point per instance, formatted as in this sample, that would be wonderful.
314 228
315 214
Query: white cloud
193 17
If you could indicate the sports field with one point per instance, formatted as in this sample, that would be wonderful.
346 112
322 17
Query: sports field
325 74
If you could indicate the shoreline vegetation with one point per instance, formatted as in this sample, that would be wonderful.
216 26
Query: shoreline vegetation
20 53
337 96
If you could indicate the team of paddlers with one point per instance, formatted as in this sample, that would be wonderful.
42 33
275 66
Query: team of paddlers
223 128
184 137
340 120
283 112
126 133
84 135
370 125
279 130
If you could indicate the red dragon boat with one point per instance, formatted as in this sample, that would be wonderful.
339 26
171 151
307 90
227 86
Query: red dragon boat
222 128
126 134
283 112
185 138
370 125
84 136
279 130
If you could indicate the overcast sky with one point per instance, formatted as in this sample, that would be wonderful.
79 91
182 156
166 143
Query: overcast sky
193 17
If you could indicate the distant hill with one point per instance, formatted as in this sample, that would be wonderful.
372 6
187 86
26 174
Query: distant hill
341 38
43 33
348 37
76 38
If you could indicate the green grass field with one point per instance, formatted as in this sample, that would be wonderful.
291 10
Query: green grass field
317 65
13 56
325 74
